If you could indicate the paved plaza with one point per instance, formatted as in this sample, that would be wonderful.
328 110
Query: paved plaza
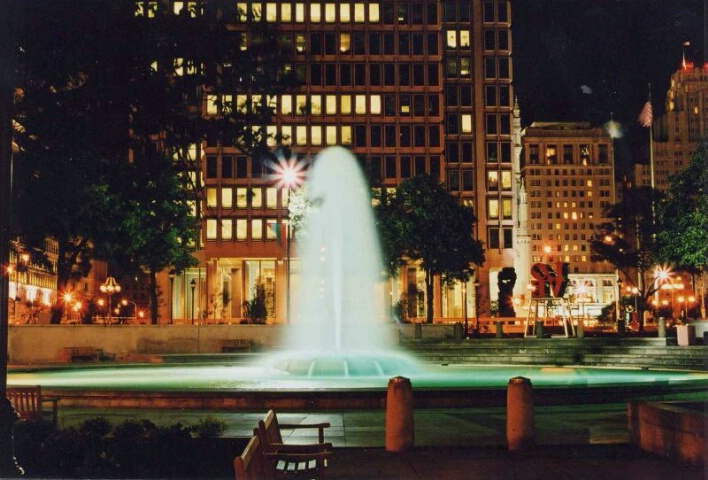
573 442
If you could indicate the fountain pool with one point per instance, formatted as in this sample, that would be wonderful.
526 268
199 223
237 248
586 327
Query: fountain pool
339 355
244 385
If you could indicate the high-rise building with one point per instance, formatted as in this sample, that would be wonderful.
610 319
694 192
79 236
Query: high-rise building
679 131
409 87
568 175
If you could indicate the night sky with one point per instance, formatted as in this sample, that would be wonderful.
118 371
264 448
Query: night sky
588 59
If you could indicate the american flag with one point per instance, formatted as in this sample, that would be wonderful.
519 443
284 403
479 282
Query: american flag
646 116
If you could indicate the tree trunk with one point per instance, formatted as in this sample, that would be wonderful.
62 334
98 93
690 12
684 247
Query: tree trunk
429 295
62 280
153 297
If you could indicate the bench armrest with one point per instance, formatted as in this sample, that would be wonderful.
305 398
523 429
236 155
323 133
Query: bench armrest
300 449
299 426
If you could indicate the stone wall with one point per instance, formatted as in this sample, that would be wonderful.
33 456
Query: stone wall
41 344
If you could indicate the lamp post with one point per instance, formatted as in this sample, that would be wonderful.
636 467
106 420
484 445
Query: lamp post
172 292
464 308
10 270
476 307
289 174
125 303
110 287
193 286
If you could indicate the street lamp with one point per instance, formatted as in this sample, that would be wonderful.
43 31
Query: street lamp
125 303
464 308
110 287
476 307
289 174
172 292
193 285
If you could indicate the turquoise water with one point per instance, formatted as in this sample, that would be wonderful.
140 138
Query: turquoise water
186 377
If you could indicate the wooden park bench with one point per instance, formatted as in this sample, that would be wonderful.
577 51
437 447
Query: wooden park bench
236 345
29 403
292 460
87 354
250 464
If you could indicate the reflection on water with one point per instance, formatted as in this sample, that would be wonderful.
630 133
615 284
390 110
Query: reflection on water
186 377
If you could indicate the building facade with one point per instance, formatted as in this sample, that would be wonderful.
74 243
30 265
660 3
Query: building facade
568 177
679 131
409 88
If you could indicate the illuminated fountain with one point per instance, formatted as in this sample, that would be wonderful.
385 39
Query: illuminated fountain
340 324
341 344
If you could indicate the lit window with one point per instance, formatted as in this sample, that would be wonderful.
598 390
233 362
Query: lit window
271 197
271 12
359 13
286 104
345 42
315 12
331 104
300 43
589 181
227 229
146 9
212 108
360 104
299 12
211 197
464 67
301 135
347 135
257 229
316 135
346 107
331 135
271 131
272 229
373 12
256 198
242 9
227 198
466 123
316 105
211 228
376 105
464 39
451 39
286 135
301 105
493 181
506 180
286 12
345 13
241 229
256 12
493 208
330 12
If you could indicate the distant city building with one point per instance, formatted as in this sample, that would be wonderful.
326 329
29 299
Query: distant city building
679 131
568 177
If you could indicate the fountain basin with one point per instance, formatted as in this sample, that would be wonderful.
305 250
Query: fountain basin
250 386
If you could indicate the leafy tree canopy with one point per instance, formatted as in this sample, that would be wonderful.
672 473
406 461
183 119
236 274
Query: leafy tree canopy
683 240
423 222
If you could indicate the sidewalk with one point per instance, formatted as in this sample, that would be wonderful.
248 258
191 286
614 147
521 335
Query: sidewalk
573 442
598 462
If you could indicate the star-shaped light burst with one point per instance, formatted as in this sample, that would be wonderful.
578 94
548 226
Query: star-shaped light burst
288 172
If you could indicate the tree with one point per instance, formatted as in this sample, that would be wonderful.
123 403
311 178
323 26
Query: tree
66 127
422 222
683 240
628 242
157 218
104 90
